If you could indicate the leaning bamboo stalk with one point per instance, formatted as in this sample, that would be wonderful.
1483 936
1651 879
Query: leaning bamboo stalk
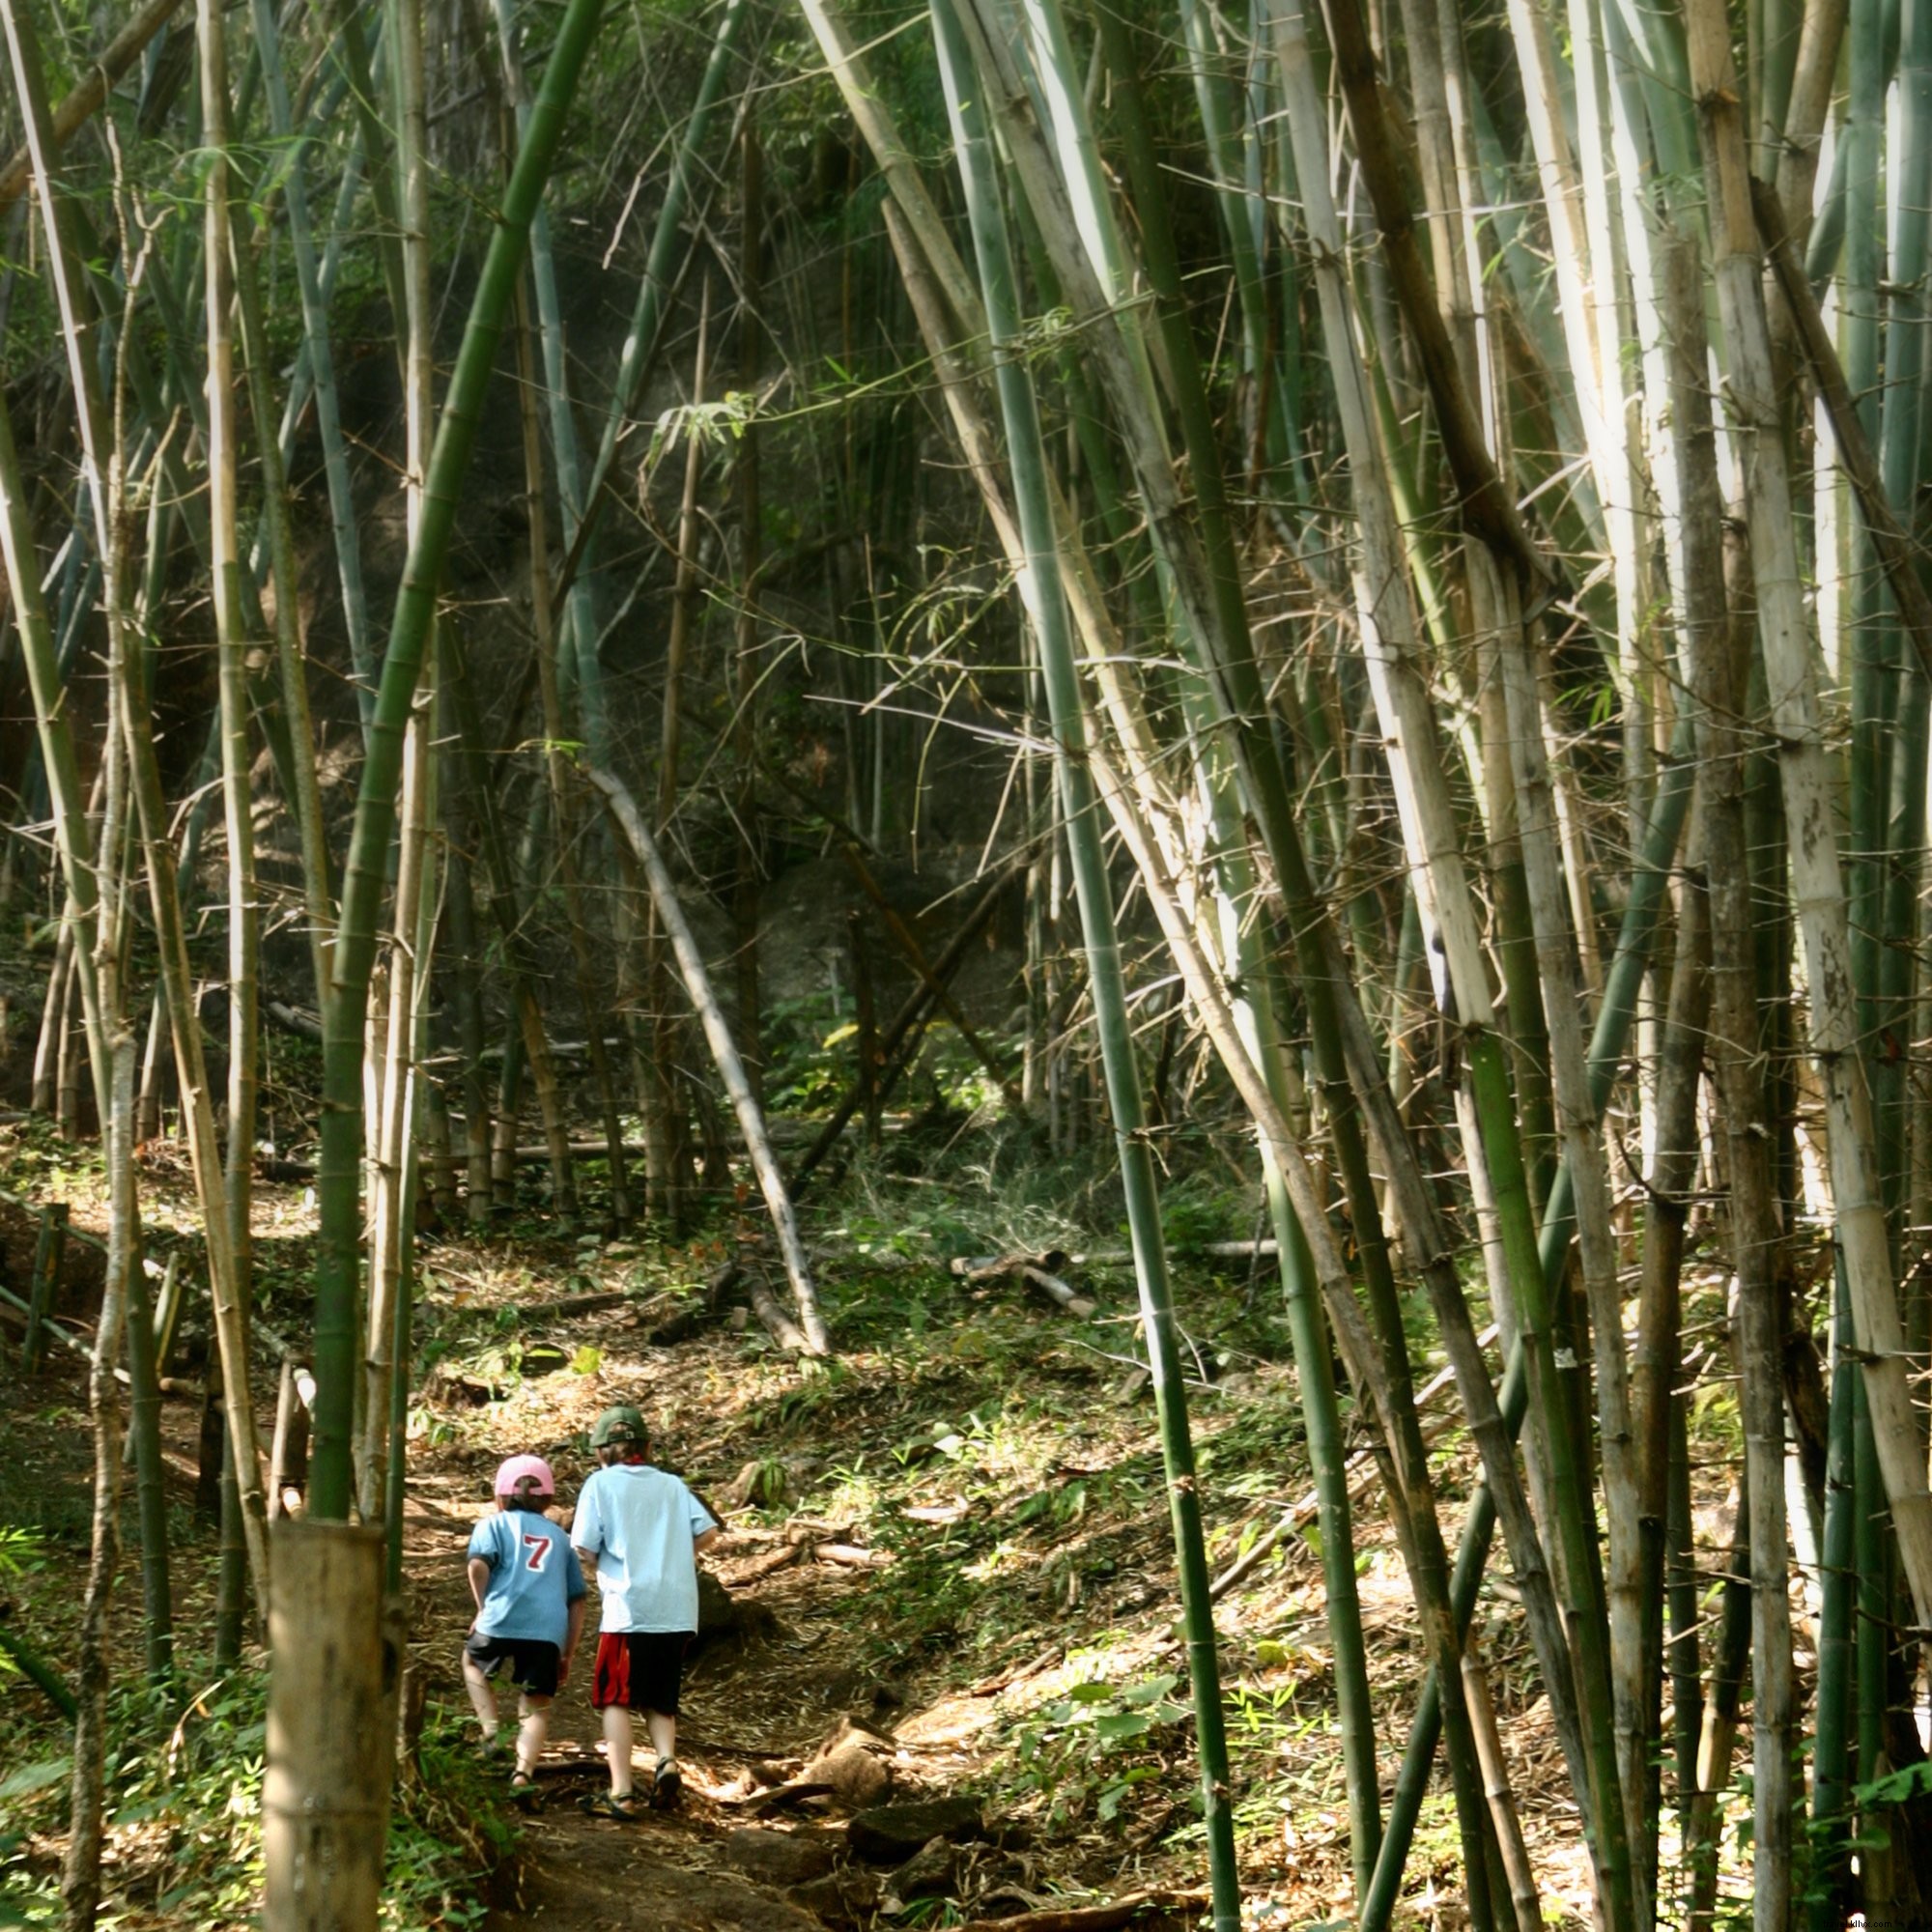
338 1167
88 95
973 149
725 1053
1428 821
1103 648
1896 551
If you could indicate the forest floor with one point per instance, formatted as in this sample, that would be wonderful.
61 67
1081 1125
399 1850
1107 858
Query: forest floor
948 1558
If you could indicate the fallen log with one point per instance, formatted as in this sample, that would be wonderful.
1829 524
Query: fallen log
778 1326
1077 1305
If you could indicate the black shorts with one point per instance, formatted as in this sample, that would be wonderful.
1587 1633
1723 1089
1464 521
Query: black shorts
532 1665
640 1670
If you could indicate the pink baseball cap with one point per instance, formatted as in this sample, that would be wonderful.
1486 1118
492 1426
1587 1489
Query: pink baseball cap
520 1468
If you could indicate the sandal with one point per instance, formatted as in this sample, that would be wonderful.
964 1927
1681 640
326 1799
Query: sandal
524 1791
604 1804
668 1786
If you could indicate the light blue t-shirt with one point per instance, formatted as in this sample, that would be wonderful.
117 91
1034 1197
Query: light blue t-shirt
534 1577
640 1523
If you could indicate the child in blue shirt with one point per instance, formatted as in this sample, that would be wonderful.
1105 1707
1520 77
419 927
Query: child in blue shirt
529 1588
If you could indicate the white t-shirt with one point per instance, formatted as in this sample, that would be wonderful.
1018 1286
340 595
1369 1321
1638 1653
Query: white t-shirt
640 1523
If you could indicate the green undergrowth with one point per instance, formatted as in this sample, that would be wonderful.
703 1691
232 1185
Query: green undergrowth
184 1818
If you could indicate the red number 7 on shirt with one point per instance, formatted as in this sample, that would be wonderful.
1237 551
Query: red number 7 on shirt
539 1548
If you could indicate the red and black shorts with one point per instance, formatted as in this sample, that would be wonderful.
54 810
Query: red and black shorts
640 1670
526 1662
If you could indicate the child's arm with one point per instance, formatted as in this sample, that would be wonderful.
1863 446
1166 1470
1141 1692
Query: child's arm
570 1638
479 1583
701 1543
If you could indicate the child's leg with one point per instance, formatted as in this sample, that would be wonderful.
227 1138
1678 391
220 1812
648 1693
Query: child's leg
532 1731
618 1742
482 1696
662 1732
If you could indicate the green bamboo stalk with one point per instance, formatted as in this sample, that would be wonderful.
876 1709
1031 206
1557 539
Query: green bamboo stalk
579 616
338 1166
311 828
1615 1020
316 341
640 350
973 150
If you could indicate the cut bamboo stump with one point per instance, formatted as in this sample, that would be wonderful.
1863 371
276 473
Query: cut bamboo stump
337 1645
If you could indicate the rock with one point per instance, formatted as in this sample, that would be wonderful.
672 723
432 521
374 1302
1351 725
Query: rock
932 1872
722 1617
888 1835
847 1897
778 1858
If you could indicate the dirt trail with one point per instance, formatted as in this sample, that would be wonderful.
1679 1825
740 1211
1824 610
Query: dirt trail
757 1703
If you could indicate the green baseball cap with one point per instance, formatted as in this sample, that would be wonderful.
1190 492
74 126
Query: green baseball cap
624 1423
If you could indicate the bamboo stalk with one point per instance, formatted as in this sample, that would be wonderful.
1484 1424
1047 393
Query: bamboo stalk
80 1875
337 1261
973 150
1817 885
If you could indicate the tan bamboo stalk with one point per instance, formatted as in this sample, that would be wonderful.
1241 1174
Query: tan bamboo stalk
1428 819
88 94
44 1093
664 1088
895 161
233 644
396 1137
1817 885
1713 648
1580 1128
1656 1365
747 880
684 588
391 1114
730 1068
1819 41
80 1876
1525 1894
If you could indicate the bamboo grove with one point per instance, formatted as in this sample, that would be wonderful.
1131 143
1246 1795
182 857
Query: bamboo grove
1439 490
